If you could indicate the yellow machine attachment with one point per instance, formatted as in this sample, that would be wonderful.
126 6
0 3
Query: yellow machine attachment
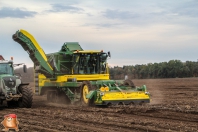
120 94
125 97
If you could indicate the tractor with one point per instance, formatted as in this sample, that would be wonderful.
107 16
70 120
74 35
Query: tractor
12 89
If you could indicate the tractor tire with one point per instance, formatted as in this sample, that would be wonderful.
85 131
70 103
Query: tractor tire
86 87
129 82
27 96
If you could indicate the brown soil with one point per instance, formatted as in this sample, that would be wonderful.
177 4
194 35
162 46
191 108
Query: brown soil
174 107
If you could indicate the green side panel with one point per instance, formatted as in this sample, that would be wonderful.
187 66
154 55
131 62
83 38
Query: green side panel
91 94
62 61
71 46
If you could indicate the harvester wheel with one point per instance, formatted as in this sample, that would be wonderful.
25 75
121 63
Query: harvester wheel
85 88
129 82
27 96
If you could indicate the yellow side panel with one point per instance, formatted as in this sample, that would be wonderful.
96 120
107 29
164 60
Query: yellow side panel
64 78
135 95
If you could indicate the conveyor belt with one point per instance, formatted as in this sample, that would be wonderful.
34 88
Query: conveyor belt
36 53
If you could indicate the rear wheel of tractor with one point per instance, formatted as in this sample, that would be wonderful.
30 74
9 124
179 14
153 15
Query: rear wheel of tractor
27 96
129 82
85 89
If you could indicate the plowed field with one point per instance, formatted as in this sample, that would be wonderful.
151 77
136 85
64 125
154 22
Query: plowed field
174 107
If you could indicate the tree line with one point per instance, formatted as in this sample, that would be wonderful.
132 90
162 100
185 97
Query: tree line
171 69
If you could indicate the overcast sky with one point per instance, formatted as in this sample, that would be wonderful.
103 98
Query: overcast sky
134 31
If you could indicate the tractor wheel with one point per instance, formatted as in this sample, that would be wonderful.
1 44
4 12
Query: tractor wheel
27 96
129 82
85 89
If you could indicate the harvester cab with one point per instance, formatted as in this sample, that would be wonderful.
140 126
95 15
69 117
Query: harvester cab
76 75
88 62
12 90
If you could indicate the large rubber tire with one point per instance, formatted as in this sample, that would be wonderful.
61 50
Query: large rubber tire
86 87
129 82
27 96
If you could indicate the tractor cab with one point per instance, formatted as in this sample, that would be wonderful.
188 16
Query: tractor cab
6 67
